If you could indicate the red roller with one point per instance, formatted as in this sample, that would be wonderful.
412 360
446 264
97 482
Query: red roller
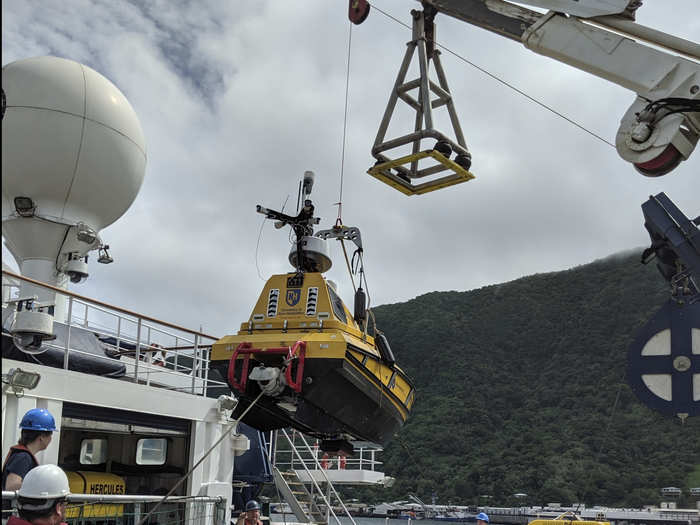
661 165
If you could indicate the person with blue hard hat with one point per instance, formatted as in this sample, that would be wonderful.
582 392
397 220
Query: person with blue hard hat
482 518
251 516
37 427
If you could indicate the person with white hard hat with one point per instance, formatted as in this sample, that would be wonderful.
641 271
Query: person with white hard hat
37 427
42 498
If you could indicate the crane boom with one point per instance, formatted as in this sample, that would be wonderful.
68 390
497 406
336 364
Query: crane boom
662 126
654 141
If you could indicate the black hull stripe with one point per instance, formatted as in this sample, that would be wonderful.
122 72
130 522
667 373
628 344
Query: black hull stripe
379 383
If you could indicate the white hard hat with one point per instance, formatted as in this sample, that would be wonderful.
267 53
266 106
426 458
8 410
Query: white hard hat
47 482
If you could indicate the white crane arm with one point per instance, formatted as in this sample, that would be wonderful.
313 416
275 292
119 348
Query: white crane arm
661 128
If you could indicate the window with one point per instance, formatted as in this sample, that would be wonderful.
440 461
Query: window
337 304
93 451
151 451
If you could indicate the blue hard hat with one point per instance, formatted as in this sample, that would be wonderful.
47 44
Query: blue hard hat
252 505
38 419
482 516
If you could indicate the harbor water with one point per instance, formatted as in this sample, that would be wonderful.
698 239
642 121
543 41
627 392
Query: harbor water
289 518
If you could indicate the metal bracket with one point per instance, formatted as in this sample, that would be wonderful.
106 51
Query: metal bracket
348 233
400 172
675 241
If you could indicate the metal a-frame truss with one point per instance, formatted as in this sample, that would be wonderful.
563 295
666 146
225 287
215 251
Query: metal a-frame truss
403 173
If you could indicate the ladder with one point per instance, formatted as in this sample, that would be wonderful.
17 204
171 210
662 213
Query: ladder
298 497
301 497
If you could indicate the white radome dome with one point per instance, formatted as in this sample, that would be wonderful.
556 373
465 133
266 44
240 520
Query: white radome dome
70 141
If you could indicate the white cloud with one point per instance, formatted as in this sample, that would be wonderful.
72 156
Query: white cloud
238 99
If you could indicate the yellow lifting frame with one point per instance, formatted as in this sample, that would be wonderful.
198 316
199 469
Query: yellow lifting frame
383 172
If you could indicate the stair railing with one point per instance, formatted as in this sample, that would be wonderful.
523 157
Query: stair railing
313 479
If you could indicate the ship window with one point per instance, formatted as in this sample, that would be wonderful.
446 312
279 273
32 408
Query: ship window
337 304
93 451
151 451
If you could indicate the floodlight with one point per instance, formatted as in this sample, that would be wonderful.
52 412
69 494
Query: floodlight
103 256
18 380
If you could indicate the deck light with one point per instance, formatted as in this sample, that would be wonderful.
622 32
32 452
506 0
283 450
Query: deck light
18 380
25 206
103 256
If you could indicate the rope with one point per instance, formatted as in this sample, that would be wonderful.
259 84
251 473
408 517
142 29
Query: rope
257 249
183 478
347 262
345 127
484 71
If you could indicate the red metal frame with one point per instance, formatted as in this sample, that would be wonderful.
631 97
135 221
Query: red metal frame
246 349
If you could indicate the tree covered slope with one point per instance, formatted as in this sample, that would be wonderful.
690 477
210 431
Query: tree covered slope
521 388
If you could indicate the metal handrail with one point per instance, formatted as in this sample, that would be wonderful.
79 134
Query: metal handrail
105 311
122 498
152 370
200 352
352 462
313 480
106 305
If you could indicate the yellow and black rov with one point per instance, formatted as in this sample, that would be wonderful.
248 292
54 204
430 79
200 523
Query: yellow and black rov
319 369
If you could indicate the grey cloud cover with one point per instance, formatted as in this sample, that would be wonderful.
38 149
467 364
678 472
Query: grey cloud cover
238 98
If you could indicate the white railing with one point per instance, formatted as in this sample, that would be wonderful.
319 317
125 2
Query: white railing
161 353
297 451
364 458
101 508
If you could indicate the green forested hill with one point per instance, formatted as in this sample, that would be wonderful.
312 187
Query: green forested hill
521 388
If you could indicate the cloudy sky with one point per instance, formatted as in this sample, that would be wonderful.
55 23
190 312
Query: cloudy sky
238 98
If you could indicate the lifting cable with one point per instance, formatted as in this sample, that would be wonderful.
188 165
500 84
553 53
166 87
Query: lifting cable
484 71
347 262
189 472
339 221
352 267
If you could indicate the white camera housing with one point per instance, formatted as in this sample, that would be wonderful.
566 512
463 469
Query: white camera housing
77 269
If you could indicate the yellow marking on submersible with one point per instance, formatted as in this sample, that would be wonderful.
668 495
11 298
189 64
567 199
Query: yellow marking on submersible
282 318
400 407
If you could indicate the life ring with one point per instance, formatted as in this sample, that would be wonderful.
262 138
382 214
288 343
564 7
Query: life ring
324 462
342 461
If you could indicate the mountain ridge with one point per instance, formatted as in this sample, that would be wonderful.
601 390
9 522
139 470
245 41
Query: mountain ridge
521 388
